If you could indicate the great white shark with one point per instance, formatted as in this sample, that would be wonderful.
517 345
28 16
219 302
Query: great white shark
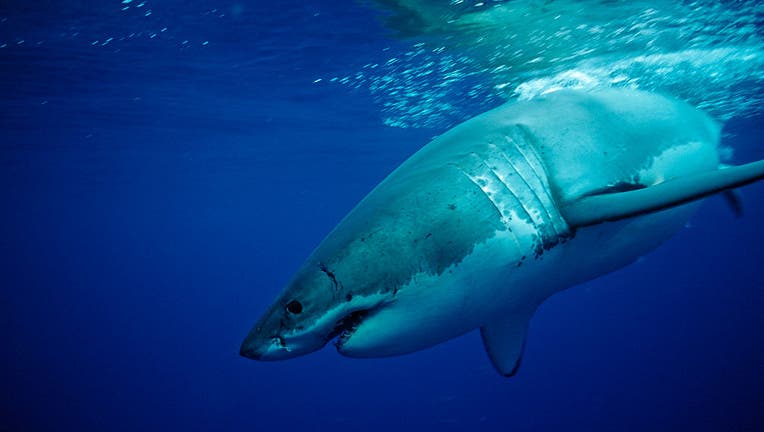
485 222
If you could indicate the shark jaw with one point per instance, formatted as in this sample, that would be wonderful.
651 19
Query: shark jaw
347 327
339 324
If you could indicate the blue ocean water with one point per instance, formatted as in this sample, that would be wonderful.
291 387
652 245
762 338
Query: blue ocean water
165 167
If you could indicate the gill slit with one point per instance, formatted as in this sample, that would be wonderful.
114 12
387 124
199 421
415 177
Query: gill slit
501 216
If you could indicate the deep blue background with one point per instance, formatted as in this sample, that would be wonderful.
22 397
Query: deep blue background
156 195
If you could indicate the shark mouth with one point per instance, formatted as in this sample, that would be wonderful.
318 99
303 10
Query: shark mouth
347 326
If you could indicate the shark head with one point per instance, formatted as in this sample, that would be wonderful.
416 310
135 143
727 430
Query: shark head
314 309
406 259
354 284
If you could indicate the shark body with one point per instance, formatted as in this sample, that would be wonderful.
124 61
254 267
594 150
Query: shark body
494 216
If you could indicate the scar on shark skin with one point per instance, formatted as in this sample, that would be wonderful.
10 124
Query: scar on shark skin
325 270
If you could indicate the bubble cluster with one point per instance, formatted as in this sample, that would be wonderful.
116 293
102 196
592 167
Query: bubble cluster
477 54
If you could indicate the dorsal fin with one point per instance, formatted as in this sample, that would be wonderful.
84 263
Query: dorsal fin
592 210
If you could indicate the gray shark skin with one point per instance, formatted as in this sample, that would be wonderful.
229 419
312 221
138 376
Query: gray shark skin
488 220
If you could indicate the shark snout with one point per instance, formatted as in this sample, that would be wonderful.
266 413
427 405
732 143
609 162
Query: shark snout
266 347
250 349
260 347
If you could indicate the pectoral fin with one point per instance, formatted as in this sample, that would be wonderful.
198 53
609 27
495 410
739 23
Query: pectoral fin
608 207
504 341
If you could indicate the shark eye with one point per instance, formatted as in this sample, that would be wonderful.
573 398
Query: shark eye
294 307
